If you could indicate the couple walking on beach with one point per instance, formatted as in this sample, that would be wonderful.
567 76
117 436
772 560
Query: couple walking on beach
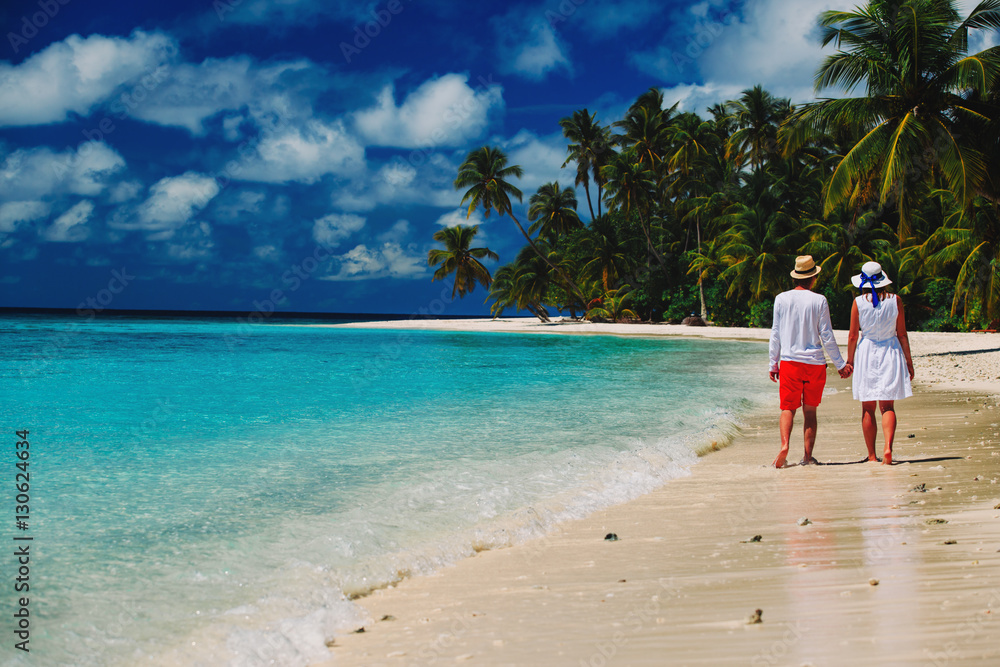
880 362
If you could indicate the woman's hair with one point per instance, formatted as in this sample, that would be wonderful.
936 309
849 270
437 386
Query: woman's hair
882 292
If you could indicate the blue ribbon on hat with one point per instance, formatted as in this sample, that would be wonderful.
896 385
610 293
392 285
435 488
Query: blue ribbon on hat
870 280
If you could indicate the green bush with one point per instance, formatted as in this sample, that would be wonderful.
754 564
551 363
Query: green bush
679 302
762 314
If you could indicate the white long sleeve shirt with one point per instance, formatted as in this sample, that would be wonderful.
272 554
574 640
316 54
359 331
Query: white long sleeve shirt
802 330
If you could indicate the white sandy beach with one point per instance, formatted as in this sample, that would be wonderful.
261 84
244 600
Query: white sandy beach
897 565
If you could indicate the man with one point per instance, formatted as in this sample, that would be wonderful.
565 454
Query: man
801 331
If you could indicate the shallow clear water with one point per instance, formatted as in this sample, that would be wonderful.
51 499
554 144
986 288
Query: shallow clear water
206 493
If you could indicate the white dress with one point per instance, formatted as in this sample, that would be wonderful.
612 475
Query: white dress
880 372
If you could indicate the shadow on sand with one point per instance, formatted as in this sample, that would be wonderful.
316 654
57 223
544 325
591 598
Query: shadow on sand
931 459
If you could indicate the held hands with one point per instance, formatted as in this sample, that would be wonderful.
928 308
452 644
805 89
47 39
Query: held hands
846 371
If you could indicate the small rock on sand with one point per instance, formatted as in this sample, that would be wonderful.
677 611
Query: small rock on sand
755 538
755 617
611 537
931 522
873 582
804 521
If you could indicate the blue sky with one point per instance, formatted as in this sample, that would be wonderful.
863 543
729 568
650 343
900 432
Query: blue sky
299 154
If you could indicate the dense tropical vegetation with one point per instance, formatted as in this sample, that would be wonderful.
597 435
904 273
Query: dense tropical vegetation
689 213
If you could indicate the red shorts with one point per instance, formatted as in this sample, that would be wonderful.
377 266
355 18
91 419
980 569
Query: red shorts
800 383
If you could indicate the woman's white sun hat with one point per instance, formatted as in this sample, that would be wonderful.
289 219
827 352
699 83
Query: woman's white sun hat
871 275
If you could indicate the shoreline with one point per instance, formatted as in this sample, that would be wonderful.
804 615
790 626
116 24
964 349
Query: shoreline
681 578
935 354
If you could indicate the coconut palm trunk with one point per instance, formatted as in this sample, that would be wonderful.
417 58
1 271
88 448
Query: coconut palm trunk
701 287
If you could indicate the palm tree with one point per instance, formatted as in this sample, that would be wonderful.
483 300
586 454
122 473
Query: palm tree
612 306
756 115
972 243
911 56
611 258
590 145
757 251
693 144
631 188
645 132
553 210
523 284
460 259
485 173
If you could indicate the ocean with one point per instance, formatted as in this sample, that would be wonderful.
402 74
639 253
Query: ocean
204 492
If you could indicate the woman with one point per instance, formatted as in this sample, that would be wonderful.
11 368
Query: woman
883 368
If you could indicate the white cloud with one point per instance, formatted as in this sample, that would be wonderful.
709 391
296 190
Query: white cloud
35 173
302 154
331 229
774 43
171 204
698 97
395 234
443 111
71 226
15 213
457 217
542 158
397 183
285 12
531 50
606 18
75 75
194 93
397 174
124 191
267 253
191 244
390 260
235 205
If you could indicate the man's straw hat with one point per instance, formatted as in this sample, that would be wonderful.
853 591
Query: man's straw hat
805 267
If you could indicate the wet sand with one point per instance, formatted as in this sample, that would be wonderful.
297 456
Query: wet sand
680 584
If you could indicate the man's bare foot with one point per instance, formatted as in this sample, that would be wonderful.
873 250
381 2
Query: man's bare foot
887 459
780 461
809 460
874 459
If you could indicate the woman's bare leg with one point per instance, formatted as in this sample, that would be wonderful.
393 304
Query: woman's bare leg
869 427
888 429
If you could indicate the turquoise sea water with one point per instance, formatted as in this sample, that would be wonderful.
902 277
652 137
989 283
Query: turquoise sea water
209 493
